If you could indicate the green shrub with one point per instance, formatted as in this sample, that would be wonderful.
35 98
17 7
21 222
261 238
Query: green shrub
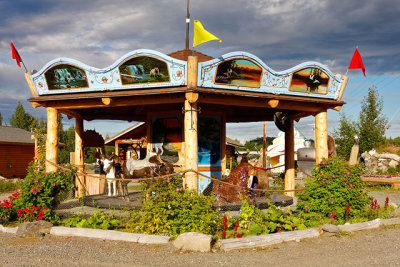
168 209
99 220
39 192
334 185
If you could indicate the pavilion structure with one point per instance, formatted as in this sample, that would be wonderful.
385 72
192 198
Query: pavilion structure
186 98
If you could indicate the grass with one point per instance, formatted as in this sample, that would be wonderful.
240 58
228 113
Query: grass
136 187
6 186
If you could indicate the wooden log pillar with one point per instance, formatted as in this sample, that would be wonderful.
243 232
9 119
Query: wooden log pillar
321 136
289 161
52 140
190 180
79 163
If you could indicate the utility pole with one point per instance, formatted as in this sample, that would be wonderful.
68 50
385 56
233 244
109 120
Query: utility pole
187 23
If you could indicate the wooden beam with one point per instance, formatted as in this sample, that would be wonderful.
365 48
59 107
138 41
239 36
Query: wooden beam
345 80
192 97
36 104
190 180
192 72
321 136
258 102
273 103
106 100
30 84
337 108
70 113
52 140
117 102
80 179
289 161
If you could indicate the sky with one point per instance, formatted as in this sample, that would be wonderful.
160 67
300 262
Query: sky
283 33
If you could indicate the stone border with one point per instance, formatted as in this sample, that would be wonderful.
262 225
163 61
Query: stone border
226 244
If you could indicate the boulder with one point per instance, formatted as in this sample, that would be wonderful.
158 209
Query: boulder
193 241
30 229
330 228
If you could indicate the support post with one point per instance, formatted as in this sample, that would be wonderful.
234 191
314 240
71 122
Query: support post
190 128
80 179
321 136
52 139
289 161
264 155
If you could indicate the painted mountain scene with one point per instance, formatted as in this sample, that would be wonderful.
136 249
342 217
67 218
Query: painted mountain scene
144 69
310 80
240 72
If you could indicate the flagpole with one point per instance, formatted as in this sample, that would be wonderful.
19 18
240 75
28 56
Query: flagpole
187 23
26 70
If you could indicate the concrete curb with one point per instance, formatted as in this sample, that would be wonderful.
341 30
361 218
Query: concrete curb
10 230
109 235
266 240
226 244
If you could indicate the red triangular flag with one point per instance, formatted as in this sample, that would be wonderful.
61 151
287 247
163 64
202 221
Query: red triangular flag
15 55
356 62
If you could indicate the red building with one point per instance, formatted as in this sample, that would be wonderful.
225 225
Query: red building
17 150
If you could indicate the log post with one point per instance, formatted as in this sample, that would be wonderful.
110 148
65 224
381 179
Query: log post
289 161
321 136
80 179
190 128
52 139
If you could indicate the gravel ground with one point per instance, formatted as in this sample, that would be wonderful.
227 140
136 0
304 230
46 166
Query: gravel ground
367 248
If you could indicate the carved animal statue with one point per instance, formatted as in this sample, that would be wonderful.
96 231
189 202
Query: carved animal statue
331 147
149 167
110 169
260 181
155 72
238 177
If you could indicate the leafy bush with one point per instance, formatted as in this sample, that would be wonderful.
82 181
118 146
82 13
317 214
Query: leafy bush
38 195
99 220
168 209
334 186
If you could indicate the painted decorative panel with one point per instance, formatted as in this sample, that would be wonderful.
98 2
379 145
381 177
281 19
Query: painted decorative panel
246 72
138 69
65 76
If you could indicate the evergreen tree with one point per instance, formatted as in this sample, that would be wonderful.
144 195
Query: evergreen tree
23 120
1 120
344 136
372 124
68 138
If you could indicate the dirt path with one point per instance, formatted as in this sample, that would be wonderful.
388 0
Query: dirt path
367 248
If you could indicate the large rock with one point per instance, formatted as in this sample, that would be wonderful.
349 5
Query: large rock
38 228
330 228
193 241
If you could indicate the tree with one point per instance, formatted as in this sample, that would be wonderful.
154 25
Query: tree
1 120
370 128
68 138
344 136
23 120
372 124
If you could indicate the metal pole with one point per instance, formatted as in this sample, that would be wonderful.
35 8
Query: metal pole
187 24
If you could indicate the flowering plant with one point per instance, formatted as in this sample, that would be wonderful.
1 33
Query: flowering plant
336 188
39 191
7 211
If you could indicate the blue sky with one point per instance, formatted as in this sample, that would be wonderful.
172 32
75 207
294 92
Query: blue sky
281 33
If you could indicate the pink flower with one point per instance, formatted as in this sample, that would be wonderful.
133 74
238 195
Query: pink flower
177 189
348 173
46 173
70 174
331 202
323 163
306 207
54 184
332 216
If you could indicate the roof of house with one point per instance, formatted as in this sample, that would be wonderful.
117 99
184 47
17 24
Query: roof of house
110 141
10 134
234 143
185 53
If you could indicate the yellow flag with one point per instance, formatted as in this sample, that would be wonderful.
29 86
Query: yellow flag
201 35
